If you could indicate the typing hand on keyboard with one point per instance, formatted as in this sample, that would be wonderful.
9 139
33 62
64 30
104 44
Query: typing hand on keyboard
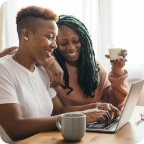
95 115
114 112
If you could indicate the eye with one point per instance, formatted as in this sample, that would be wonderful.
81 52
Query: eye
50 37
76 41
63 44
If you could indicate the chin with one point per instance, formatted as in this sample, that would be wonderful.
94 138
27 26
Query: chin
73 60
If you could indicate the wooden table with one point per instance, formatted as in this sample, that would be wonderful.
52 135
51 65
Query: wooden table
129 134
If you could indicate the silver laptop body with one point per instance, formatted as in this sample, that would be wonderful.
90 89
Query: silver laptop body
126 113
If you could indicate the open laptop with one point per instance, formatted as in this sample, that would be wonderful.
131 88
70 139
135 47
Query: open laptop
126 112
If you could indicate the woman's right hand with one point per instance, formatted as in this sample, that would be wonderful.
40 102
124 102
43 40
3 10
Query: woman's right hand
8 51
96 115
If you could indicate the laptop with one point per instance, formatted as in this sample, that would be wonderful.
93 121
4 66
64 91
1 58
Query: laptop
126 114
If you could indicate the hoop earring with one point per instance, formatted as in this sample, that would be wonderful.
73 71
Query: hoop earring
26 38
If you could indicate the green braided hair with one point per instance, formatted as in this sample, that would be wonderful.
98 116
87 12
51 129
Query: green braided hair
88 77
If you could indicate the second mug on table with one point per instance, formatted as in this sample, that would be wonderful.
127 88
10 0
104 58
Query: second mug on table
72 126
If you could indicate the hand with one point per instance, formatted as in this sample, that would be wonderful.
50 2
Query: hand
9 51
95 115
113 111
120 62
56 74
54 71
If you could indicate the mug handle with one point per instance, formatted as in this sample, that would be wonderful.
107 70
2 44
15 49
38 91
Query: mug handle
58 122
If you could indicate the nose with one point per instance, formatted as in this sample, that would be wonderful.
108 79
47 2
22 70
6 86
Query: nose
54 45
71 46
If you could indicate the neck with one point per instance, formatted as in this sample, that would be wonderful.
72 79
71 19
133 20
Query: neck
74 64
25 61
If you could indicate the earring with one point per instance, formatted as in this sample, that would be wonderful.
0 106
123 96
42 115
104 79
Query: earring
26 38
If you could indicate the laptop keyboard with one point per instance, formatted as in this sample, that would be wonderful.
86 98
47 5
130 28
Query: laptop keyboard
112 124
97 125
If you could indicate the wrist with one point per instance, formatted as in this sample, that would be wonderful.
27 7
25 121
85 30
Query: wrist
118 71
93 105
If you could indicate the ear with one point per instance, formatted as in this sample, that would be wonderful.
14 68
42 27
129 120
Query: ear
25 34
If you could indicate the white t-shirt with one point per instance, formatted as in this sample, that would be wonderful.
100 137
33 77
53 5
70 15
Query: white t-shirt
31 90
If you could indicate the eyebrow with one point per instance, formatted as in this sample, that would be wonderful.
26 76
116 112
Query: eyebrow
49 31
64 38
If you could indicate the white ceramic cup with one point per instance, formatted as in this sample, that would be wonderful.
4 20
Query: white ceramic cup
72 126
114 51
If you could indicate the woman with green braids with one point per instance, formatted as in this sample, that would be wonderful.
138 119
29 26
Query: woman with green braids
85 79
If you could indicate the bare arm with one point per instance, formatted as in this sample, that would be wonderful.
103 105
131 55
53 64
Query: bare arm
92 109
17 127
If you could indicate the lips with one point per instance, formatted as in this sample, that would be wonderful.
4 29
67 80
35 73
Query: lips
48 52
71 54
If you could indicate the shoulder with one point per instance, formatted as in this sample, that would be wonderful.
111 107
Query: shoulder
100 65
43 73
5 63
42 70
4 59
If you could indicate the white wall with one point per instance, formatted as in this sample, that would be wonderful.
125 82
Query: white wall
10 8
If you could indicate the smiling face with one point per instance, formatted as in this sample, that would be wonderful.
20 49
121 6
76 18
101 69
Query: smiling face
69 44
43 41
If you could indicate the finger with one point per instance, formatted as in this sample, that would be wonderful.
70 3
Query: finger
14 48
10 49
56 81
119 62
100 119
124 50
105 113
53 82
108 116
104 116
14 52
115 111
51 78
107 56
7 50
124 54
61 77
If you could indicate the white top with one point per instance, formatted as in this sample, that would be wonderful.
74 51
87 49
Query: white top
31 90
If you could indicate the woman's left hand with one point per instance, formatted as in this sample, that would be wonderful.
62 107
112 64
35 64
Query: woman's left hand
9 51
54 71
120 62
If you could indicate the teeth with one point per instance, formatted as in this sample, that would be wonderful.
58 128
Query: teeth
71 54
48 51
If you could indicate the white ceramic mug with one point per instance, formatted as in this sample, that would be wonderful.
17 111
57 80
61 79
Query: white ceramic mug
114 51
73 126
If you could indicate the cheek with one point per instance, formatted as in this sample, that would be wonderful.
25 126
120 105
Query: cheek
61 48
79 46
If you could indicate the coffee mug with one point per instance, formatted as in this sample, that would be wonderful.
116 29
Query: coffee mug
72 126
114 51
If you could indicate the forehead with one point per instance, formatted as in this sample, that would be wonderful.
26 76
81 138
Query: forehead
64 31
48 26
